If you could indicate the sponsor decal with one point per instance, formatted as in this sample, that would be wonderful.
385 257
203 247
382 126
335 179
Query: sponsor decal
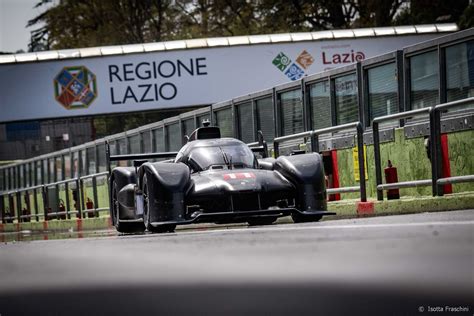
75 87
305 59
281 61
295 70
343 58
239 176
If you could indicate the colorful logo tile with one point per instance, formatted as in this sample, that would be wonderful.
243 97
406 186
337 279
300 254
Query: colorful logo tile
305 59
75 87
281 61
294 72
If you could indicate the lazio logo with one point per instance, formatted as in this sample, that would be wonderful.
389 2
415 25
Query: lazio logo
75 87
296 70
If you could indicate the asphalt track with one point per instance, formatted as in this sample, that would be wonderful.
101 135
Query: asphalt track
394 265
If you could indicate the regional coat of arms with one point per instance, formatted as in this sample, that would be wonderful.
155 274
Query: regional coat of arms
75 87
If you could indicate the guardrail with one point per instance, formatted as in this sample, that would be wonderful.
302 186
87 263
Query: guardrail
14 201
435 147
435 121
314 140
63 209
95 209
378 164
53 208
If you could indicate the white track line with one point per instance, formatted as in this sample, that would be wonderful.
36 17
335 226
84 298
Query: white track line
354 226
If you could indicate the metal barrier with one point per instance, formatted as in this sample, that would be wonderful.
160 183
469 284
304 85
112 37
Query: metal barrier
436 181
378 163
14 205
314 140
26 216
87 209
436 152
53 206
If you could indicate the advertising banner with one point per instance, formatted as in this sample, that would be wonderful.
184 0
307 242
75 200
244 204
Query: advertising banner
170 79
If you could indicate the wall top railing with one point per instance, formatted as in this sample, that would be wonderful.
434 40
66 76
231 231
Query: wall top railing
401 115
225 41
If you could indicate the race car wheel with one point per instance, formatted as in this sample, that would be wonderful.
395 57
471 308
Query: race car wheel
301 218
146 212
257 221
126 228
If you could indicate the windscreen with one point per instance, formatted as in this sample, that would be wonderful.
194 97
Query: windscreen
234 156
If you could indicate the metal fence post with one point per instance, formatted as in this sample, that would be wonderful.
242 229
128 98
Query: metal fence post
314 139
45 202
35 203
68 208
276 149
28 205
438 153
2 206
80 199
94 195
360 150
378 171
433 149
18 206
11 203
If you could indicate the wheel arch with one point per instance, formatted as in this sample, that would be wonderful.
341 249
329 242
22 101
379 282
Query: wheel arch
306 173
168 184
121 176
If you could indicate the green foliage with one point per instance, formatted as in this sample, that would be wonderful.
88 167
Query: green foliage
431 11
86 23
467 18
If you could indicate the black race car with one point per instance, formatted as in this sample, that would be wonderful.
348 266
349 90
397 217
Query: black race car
214 179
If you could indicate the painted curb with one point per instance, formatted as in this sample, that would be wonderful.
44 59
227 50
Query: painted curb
365 208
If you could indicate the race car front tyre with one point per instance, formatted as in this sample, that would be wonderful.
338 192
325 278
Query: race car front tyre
147 194
126 228
301 218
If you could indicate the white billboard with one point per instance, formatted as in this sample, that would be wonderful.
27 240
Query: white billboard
169 79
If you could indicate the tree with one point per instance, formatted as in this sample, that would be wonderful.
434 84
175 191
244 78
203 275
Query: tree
440 11
467 18
208 18
84 23
377 12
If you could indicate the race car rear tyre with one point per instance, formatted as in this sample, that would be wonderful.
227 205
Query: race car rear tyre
126 228
168 228
258 221
301 218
